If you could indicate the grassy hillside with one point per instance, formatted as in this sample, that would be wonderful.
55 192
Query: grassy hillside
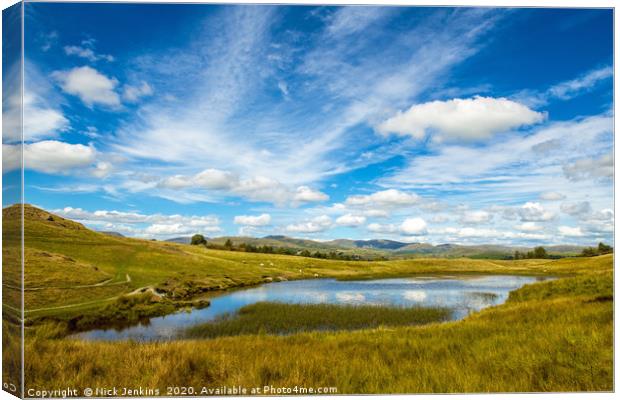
63 258
550 336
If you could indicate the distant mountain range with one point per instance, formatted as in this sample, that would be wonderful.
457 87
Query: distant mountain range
386 247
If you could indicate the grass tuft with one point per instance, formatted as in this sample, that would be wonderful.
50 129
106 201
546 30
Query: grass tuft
281 318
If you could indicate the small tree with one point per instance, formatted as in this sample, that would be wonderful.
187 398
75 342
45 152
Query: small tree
604 249
198 239
228 244
540 252
589 252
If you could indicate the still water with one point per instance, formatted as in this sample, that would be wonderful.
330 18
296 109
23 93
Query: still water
462 294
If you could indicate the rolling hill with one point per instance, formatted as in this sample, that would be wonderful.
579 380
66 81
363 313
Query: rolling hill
386 248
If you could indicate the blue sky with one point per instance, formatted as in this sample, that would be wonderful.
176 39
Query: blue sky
460 125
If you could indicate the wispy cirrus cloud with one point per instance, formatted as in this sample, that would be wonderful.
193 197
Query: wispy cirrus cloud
284 143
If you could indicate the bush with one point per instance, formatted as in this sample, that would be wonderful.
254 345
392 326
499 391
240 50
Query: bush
198 239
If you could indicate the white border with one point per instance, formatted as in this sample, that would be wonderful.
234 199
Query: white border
484 3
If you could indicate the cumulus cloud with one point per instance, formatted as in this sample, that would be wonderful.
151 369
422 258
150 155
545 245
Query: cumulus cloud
551 196
534 212
390 198
576 209
376 213
102 169
570 231
258 188
468 119
529 227
132 93
590 168
91 86
317 224
42 117
382 228
304 194
87 53
476 217
11 158
149 225
49 156
253 220
40 120
413 227
350 220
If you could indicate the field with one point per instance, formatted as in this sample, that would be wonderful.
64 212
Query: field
549 336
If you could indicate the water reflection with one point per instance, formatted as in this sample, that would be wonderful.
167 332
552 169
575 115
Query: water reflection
462 294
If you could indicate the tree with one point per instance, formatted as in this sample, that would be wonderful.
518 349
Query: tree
589 252
604 249
228 244
198 239
540 252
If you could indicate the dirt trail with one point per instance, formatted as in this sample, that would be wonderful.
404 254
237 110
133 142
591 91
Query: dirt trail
127 280
102 283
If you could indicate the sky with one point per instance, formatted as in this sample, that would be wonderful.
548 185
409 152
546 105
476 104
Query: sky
418 124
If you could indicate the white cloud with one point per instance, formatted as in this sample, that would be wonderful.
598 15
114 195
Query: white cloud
534 212
570 231
149 225
529 227
215 179
476 217
569 89
257 188
590 168
349 20
382 228
390 198
473 232
501 165
576 209
469 119
602 215
351 220
304 194
413 227
551 196
89 85
49 156
133 93
87 53
212 179
376 213
43 118
11 158
103 169
317 224
40 120
252 220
